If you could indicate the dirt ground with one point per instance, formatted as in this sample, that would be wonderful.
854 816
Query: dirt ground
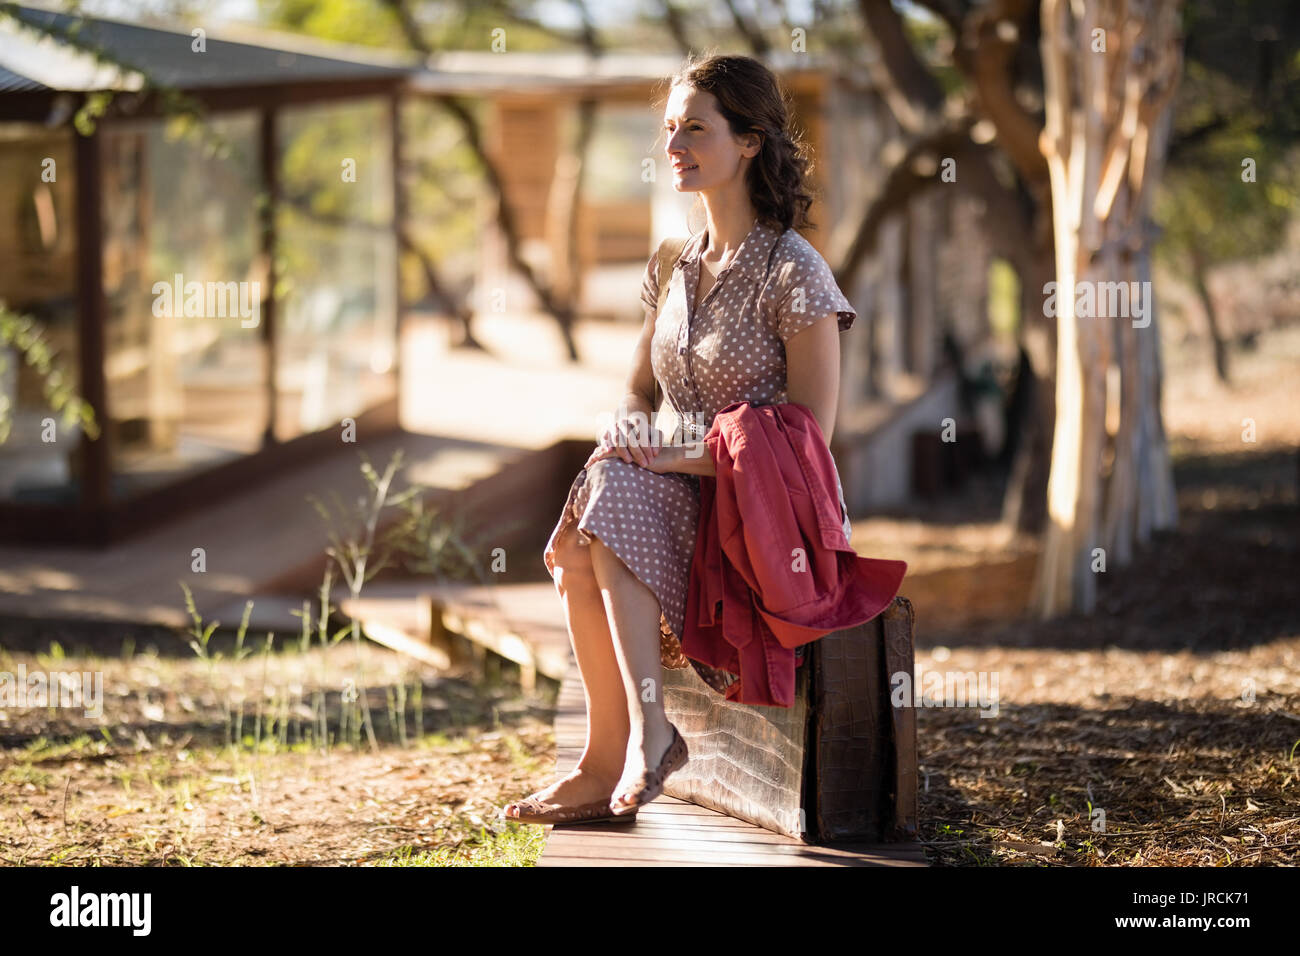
1174 710
158 781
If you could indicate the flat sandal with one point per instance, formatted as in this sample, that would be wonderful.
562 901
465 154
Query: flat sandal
532 810
651 784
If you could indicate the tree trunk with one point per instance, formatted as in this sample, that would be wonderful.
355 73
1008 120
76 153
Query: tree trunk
438 290
565 205
1198 271
1024 503
1157 502
1104 142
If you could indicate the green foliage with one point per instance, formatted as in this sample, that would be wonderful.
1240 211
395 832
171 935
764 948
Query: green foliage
444 26
365 22
442 177
1206 192
1004 298
1239 99
23 334
95 106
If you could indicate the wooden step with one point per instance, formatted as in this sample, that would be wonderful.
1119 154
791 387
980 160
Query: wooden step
523 623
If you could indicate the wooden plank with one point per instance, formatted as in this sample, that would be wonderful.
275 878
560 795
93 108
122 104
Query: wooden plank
899 659
523 623
601 852
135 580
396 640
624 861
854 735
658 833
631 846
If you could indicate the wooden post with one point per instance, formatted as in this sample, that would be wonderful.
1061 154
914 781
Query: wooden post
435 631
268 150
94 456
399 224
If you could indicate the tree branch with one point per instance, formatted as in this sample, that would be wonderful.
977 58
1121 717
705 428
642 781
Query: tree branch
906 178
300 202
675 20
509 13
986 52
911 91
752 33
505 216
951 12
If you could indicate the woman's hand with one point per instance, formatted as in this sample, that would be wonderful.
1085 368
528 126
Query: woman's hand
668 458
632 439
692 459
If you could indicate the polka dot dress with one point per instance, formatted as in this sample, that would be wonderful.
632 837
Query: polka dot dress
731 350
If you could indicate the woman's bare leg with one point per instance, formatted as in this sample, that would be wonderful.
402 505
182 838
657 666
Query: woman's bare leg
601 764
633 612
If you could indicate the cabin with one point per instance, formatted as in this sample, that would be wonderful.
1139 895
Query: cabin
152 263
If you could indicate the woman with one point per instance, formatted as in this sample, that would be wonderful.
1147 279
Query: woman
746 319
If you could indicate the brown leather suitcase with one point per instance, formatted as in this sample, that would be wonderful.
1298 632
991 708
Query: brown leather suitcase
841 764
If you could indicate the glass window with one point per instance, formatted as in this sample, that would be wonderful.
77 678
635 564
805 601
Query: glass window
336 329
185 362
38 278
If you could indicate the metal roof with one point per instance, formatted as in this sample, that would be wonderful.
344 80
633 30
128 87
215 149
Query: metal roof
32 60
11 82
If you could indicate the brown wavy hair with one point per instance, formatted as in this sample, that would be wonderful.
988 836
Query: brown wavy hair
751 99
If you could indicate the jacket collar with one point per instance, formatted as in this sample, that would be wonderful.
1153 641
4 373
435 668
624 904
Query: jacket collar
752 256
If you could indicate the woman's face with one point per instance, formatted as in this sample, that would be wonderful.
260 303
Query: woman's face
702 150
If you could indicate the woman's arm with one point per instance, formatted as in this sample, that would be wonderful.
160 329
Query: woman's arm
812 368
636 408
812 361
689 458
640 395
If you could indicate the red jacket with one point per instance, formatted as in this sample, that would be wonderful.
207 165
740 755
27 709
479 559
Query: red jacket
772 567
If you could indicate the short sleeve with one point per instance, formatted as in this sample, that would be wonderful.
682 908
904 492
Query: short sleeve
805 292
650 283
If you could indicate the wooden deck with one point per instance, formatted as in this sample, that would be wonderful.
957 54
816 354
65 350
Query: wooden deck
521 622
253 542
672 832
